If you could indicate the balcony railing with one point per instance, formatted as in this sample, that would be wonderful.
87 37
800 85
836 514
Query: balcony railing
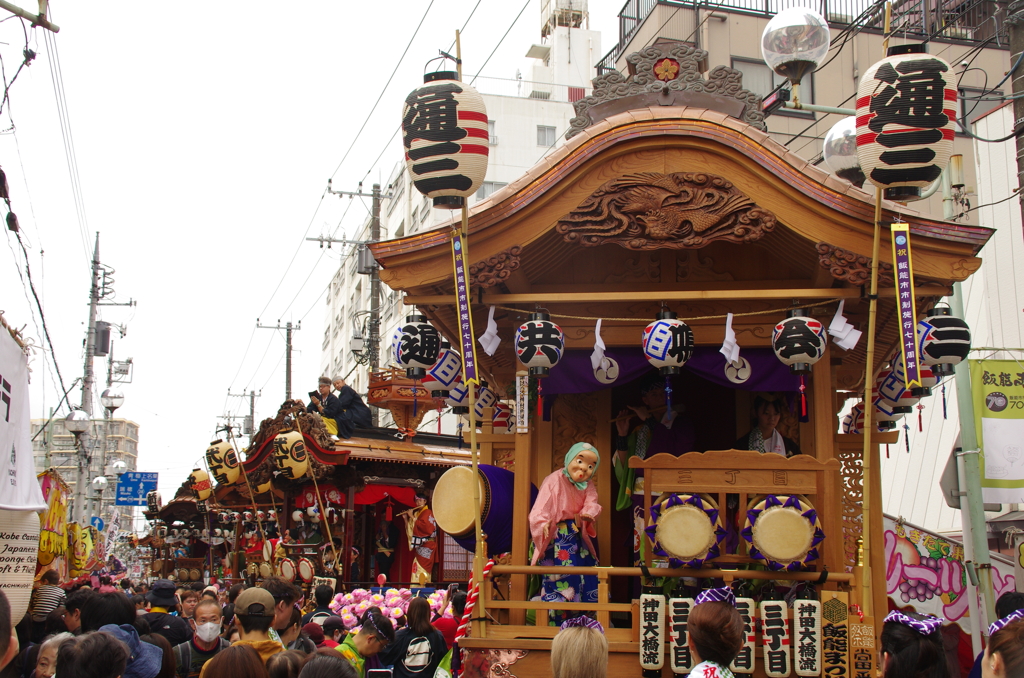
526 89
970 21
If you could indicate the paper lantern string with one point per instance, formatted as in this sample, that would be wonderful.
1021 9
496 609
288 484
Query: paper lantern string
773 311
1008 619
584 621
925 626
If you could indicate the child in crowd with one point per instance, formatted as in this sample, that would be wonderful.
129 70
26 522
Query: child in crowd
912 646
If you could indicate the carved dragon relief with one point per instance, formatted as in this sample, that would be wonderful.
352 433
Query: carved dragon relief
496 268
682 210
849 266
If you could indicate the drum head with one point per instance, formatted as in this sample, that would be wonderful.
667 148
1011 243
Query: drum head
194 574
287 570
783 531
306 570
265 570
157 566
183 574
686 528
685 532
453 513
253 569
268 550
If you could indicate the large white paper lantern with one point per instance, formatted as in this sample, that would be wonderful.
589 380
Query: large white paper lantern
417 347
445 373
906 120
539 344
799 341
943 340
668 343
444 131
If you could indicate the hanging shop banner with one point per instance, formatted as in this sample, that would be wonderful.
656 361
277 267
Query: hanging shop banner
19 489
835 640
905 300
926 572
19 536
83 549
465 314
998 390
53 534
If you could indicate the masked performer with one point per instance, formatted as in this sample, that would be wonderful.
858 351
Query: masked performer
422 530
562 526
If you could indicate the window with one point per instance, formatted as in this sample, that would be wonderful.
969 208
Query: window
492 137
760 79
425 212
456 562
973 106
327 336
545 136
396 194
489 187
400 231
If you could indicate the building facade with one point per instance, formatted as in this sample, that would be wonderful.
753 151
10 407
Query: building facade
527 118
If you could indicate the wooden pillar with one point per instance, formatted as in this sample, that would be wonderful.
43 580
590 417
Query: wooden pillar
350 503
820 404
605 494
520 522
877 535
487 428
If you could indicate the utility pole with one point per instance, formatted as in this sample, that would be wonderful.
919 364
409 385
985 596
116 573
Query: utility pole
1015 28
288 329
85 440
373 341
249 423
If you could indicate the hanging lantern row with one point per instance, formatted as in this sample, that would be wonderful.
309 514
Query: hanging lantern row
539 344
799 341
416 346
444 131
445 373
668 343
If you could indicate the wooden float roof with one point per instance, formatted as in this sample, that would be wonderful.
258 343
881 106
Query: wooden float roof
817 247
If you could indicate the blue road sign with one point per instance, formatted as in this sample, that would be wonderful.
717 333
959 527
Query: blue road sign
97 522
133 487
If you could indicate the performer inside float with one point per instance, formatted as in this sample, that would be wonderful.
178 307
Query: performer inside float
421 530
764 435
562 524
660 430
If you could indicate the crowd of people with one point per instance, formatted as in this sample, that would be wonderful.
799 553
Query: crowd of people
168 631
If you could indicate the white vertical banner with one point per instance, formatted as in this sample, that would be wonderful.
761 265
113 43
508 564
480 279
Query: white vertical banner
522 403
19 488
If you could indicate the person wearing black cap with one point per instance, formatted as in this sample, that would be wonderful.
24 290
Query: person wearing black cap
162 601
334 631
254 610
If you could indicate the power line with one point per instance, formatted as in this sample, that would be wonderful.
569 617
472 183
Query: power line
514 21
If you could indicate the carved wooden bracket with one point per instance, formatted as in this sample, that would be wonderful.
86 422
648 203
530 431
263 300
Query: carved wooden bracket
682 210
849 266
496 268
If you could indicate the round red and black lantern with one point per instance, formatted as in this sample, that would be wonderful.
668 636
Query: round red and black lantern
417 347
539 344
906 120
943 340
799 341
444 131
445 373
668 343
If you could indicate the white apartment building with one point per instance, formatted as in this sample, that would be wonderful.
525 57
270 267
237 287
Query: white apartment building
527 118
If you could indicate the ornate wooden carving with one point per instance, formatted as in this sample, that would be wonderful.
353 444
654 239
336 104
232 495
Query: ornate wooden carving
849 266
574 420
691 267
495 269
644 268
682 210
853 494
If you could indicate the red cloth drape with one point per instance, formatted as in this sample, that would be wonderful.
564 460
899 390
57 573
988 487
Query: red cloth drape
372 494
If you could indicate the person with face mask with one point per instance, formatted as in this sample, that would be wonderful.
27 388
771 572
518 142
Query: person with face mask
193 654
334 631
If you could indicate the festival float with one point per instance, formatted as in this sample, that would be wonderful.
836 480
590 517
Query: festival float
671 251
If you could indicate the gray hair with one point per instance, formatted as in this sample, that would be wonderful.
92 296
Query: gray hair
324 381
56 640
338 379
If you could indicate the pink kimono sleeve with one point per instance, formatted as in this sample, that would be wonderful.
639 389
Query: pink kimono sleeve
545 511
591 507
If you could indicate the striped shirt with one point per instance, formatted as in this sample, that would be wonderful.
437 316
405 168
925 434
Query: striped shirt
45 600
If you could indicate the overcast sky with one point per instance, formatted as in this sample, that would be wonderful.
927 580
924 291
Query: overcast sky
204 134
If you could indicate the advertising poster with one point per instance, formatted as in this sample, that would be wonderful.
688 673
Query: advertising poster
998 390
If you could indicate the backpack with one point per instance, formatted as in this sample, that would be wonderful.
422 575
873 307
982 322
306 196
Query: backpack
418 654
320 617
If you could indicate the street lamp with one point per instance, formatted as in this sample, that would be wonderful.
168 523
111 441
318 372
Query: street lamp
112 398
793 44
77 422
840 151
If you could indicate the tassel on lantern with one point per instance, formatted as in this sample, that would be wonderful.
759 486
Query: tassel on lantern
906 436
920 421
458 430
540 399
887 450
668 397
944 402
803 399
